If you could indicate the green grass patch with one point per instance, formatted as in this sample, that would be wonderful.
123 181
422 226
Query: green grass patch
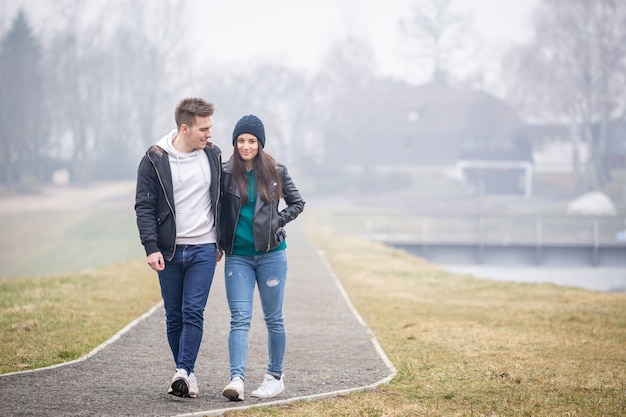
50 242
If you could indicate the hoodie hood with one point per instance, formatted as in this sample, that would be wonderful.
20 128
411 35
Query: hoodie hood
166 143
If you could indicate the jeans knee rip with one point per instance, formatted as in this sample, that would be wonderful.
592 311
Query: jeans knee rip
272 282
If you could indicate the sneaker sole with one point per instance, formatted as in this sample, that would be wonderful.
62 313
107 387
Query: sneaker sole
232 394
179 388
264 396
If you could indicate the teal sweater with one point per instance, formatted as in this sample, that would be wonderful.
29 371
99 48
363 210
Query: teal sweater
244 236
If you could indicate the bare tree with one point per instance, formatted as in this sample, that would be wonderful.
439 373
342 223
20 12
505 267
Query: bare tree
137 76
277 94
110 78
343 97
437 36
574 72
73 58
149 51
22 133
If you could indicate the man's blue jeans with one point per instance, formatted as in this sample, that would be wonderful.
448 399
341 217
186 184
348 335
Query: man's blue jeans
185 285
269 273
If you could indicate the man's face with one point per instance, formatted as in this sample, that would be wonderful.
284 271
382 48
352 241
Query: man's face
196 137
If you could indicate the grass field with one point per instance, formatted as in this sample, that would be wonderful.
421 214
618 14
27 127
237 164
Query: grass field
56 241
70 280
462 346
46 320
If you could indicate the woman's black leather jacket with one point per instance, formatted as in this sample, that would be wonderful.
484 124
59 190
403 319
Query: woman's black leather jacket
268 221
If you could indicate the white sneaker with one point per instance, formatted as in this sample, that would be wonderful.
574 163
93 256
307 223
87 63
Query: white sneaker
270 387
193 385
234 390
180 384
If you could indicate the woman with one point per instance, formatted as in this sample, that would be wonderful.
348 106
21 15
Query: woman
252 234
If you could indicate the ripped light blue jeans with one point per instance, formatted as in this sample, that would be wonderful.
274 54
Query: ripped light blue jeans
269 273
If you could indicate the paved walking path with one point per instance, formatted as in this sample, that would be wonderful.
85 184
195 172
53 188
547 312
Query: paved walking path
329 350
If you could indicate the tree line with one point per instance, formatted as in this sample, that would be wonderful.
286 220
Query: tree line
91 95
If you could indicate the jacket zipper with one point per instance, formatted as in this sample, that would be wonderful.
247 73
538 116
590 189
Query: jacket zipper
232 240
269 232
214 203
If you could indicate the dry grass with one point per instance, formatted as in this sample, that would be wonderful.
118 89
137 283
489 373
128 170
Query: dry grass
54 319
462 346
471 347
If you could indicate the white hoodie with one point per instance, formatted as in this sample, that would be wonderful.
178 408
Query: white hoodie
191 178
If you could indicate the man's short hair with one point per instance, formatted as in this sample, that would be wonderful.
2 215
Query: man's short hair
189 108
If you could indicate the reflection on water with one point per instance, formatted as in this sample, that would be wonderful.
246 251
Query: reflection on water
610 279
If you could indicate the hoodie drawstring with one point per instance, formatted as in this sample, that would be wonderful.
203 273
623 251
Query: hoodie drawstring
197 156
180 176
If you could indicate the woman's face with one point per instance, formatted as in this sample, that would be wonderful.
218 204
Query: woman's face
248 148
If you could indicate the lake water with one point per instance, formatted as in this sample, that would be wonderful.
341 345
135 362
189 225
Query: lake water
609 279
562 267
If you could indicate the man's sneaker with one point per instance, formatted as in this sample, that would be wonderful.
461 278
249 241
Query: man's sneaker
270 387
234 390
193 385
180 384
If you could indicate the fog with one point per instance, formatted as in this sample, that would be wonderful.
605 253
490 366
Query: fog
104 76
430 107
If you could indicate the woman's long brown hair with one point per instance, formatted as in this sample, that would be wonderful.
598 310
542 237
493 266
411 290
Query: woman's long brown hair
267 179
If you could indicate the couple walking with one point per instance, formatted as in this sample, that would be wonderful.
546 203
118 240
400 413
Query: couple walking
191 210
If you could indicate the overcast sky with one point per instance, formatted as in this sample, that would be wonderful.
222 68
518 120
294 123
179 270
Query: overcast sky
298 33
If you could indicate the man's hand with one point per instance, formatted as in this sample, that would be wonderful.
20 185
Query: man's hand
218 255
156 262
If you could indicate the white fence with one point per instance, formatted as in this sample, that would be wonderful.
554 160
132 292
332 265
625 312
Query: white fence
492 230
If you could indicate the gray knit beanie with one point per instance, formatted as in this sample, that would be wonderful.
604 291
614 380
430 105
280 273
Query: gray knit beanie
250 124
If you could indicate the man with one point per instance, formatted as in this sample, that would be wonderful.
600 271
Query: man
175 204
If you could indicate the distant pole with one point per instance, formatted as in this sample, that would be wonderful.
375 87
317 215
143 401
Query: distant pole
424 227
538 240
596 243
481 222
